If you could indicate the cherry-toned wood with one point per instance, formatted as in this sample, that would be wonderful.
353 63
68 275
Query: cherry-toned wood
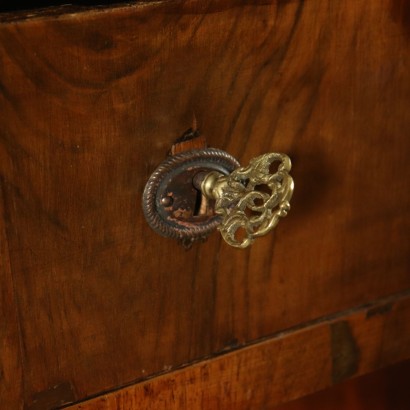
11 381
386 389
280 369
91 103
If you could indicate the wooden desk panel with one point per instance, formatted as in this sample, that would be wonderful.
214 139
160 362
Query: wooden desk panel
91 103
287 366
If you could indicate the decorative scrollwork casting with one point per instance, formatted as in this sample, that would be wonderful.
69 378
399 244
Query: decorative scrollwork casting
251 199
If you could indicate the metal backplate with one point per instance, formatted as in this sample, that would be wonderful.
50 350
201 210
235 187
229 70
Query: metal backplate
172 206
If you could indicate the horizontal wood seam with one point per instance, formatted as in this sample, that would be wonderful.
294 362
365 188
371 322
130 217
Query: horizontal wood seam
391 299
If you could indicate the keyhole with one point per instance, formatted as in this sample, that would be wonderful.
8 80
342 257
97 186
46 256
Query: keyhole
198 203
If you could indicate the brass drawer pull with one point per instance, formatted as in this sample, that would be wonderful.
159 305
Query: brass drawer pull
193 192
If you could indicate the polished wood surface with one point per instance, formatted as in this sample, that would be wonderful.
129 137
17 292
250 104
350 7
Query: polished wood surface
387 389
11 381
283 368
91 103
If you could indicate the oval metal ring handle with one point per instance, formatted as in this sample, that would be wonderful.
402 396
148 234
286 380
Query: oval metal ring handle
173 206
191 193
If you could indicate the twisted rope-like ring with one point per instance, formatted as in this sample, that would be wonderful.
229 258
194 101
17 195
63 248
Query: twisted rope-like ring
211 158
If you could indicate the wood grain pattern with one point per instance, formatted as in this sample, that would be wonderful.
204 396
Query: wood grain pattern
386 389
92 102
11 377
278 370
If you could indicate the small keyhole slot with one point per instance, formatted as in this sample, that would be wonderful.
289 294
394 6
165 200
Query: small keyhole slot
198 201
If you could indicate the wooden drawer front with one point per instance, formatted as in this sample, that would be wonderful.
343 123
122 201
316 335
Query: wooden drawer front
90 104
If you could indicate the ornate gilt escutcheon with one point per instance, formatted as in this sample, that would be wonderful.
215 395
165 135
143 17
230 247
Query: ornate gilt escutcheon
197 190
